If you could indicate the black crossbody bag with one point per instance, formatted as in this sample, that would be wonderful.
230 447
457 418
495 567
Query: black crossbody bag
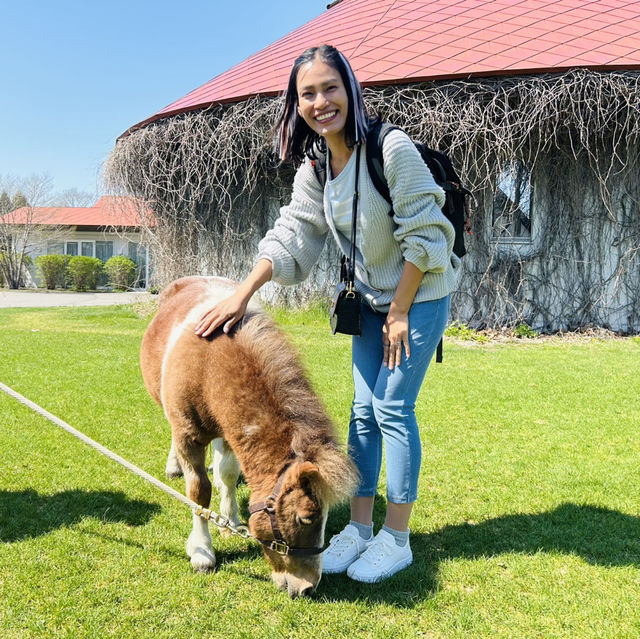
346 301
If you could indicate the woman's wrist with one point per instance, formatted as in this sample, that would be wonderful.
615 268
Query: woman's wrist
260 275
407 288
399 307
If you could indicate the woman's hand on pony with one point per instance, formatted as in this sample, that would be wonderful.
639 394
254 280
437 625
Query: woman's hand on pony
232 309
226 313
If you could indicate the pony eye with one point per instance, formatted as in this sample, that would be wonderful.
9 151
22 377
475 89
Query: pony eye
304 521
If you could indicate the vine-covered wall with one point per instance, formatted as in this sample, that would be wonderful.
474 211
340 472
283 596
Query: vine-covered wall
215 187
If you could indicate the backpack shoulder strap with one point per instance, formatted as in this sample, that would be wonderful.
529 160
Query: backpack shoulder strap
320 168
375 162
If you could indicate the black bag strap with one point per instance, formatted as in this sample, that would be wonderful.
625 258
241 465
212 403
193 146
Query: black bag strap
319 165
347 265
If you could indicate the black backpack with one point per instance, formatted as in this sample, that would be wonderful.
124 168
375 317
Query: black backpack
455 208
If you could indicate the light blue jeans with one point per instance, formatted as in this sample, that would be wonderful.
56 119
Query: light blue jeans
384 401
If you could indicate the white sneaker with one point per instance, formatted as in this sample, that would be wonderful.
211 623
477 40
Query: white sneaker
382 558
344 548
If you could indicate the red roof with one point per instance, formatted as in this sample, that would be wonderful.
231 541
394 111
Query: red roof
402 41
107 211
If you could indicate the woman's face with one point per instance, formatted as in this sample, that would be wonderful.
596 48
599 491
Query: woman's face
322 99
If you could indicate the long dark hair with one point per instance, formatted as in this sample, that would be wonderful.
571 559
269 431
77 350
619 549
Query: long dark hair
295 139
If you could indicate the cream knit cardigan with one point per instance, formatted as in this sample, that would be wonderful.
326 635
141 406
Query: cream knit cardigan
418 232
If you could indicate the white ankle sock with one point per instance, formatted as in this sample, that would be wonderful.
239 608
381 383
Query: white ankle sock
364 531
401 537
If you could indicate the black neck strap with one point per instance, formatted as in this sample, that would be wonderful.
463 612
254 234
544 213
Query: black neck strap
351 266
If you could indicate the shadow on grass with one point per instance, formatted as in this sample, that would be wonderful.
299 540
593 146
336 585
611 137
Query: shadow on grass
25 514
600 536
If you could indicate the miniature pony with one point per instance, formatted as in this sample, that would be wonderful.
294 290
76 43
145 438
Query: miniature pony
248 388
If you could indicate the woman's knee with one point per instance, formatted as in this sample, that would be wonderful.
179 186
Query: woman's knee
362 410
390 412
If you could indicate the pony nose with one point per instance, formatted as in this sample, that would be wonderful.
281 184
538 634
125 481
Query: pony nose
307 592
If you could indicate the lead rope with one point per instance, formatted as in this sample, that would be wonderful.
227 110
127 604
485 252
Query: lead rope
200 511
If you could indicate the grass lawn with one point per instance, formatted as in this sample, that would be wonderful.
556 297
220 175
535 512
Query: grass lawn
527 525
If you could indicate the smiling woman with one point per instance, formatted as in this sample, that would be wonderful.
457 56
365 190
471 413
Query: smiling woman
322 100
321 81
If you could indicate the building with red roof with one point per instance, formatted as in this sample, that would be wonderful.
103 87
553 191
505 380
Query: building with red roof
112 226
108 212
403 41
535 100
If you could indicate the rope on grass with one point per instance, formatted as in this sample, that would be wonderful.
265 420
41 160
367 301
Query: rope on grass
205 513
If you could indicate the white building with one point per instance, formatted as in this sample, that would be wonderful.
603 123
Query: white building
112 226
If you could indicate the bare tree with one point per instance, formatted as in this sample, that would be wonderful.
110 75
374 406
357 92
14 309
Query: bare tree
73 197
214 185
17 225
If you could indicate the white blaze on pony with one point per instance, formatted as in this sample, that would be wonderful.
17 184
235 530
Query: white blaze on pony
247 391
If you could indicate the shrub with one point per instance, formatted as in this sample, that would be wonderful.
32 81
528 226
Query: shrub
121 272
52 268
460 330
83 272
9 267
524 330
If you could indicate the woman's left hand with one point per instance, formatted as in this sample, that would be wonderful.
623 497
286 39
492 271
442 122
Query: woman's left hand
395 336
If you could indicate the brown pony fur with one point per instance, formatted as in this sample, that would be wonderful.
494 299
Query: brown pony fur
249 388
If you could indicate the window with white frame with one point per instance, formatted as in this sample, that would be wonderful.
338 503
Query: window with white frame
71 249
104 250
512 204
87 248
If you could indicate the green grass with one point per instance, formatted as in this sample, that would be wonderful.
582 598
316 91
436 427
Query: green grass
527 525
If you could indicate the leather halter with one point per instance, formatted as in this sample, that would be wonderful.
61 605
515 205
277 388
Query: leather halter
279 545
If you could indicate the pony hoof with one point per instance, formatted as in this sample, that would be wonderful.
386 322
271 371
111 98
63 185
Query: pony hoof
203 560
172 473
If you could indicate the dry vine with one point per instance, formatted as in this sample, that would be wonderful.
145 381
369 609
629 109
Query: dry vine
215 188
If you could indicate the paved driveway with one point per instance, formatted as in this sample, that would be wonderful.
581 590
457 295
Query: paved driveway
13 299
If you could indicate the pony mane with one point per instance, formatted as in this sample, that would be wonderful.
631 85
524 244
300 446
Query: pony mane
314 438
285 376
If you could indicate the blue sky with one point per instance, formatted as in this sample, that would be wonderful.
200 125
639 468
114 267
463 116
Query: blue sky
75 75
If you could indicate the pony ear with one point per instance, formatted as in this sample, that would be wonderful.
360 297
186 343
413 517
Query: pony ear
307 470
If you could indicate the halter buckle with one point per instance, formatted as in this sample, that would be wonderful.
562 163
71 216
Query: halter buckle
279 546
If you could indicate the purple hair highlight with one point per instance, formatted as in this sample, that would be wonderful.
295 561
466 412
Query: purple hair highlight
358 105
